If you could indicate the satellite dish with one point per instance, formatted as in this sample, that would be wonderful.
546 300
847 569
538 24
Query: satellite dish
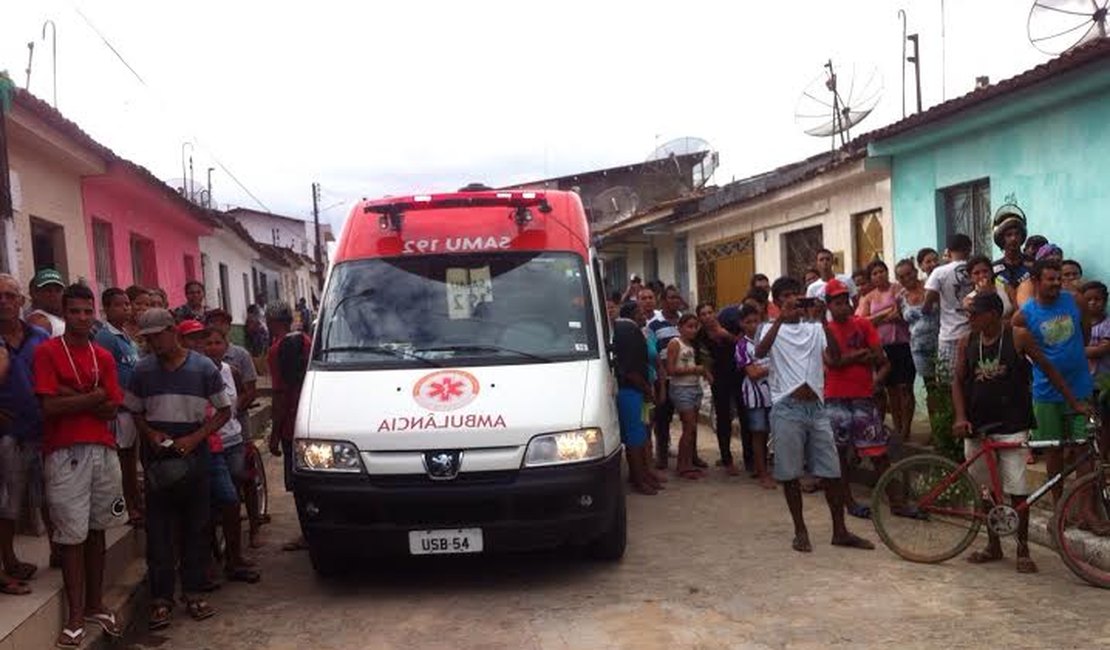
1056 26
838 99
614 204
703 171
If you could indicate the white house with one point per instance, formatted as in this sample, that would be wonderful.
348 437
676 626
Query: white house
291 234
227 259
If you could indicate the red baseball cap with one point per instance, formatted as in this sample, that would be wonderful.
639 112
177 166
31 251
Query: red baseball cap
835 287
188 327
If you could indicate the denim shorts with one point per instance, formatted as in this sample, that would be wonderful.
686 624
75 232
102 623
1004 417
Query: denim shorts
686 397
757 419
802 437
222 488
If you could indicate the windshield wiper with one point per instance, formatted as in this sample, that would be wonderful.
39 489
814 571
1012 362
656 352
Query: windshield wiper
381 349
485 348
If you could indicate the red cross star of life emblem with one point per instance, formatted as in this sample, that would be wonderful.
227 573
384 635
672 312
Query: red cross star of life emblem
445 390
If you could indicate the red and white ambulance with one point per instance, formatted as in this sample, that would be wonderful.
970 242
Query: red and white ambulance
459 398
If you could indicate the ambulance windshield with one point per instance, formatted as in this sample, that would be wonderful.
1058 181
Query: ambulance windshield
457 310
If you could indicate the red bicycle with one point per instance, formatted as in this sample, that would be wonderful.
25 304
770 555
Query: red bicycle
952 510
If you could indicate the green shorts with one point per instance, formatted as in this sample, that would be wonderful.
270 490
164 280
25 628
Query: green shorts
1053 422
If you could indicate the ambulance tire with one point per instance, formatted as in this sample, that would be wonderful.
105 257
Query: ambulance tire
609 547
326 562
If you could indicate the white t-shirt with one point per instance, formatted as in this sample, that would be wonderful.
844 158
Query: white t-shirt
231 433
816 289
797 357
953 284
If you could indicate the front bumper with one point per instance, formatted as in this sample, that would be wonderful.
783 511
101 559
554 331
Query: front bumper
517 510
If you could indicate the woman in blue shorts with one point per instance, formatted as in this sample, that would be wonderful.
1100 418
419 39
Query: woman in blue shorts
630 350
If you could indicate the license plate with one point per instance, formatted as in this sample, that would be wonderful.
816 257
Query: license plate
436 542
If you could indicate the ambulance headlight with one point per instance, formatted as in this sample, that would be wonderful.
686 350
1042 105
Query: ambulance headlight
564 447
326 456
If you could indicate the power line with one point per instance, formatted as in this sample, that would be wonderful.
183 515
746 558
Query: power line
131 69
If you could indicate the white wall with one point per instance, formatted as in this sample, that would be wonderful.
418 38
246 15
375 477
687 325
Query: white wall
830 200
224 247
292 233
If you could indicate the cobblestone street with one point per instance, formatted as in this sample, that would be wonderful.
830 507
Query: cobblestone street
708 566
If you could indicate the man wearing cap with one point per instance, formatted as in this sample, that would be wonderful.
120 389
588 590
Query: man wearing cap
288 361
78 388
46 302
850 381
1009 235
992 388
170 394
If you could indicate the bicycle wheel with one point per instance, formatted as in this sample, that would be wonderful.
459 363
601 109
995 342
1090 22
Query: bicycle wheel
945 524
259 485
1082 516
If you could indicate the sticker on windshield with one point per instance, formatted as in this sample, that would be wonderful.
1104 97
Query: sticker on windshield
574 325
466 289
581 347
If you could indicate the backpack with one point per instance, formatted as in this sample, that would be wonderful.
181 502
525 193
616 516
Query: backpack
292 358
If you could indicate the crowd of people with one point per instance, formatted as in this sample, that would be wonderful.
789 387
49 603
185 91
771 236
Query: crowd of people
813 366
88 398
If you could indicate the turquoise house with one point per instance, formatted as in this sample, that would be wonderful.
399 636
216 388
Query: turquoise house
1040 139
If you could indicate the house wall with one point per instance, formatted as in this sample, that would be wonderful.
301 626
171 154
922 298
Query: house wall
46 170
133 206
830 200
291 233
225 247
1051 160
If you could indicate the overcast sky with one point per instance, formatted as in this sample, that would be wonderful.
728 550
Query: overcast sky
387 98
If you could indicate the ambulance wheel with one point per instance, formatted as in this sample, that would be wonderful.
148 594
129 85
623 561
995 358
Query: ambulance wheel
610 546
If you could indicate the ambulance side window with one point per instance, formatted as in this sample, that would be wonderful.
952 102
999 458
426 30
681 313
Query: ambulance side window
599 305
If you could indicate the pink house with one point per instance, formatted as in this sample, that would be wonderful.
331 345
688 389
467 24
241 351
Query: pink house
141 231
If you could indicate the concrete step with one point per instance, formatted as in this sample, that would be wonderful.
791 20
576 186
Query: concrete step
32 622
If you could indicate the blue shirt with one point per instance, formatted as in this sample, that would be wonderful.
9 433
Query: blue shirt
123 350
1058 330
17 392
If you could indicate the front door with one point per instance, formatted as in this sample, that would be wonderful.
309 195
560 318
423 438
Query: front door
48 246
725 270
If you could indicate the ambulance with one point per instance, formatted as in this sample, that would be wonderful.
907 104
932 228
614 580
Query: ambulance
460 398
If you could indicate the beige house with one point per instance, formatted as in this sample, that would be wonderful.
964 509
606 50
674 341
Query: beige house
772 223
46 162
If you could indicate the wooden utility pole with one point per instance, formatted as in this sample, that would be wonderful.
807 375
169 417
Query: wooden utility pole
316 224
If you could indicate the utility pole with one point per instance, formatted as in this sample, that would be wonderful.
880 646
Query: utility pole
208 203
316 224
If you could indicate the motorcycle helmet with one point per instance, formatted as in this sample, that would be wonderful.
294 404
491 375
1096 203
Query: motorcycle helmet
1006 217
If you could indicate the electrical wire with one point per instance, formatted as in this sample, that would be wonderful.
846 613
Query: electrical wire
131 69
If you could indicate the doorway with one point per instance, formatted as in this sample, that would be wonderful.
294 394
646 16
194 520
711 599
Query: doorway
725 270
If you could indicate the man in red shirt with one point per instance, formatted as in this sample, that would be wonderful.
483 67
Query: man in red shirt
288 362
850 389
77 384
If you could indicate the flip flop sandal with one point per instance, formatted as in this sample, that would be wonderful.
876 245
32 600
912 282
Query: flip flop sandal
159 616
854 541
70 638
107 622
23 571
199 609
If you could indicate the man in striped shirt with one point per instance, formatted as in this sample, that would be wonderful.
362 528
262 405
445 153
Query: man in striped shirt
169 394
665 328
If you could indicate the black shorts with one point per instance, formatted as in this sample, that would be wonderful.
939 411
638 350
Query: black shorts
901 364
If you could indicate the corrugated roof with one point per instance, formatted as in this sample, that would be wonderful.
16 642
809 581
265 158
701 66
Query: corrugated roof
55 120
1077 58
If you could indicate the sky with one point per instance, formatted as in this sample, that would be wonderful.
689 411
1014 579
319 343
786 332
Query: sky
371 99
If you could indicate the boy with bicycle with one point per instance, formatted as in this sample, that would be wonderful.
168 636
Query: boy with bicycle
991 394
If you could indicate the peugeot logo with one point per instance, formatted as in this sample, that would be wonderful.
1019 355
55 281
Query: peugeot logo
442 465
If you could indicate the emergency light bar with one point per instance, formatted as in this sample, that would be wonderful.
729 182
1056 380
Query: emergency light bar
517 200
